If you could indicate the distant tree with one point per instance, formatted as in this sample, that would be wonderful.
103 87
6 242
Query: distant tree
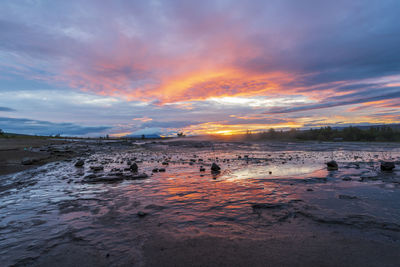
107 137
143 137
1 132
180 134
272 133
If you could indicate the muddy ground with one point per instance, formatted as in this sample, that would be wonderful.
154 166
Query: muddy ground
271 204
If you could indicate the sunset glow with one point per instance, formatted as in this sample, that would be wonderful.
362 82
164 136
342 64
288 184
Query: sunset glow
209 67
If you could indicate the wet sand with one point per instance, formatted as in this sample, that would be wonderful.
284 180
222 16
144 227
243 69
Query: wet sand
14 150
271 205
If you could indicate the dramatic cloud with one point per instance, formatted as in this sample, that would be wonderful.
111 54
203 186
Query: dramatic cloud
26 126
187 65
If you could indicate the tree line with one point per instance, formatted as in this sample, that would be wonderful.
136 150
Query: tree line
351 133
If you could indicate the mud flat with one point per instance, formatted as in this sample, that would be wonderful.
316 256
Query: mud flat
270 204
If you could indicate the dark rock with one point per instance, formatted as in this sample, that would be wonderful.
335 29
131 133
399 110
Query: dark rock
141 214
96 168
27 161
79 163
215 167
202 169
90 176
161 169
387 166
134 167
346 197
332 165
346 179
137 176
102 179
165 163
155 170
310 189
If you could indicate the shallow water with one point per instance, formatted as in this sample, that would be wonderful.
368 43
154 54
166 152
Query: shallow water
260 185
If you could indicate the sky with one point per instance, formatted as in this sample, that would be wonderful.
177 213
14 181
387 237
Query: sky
90 68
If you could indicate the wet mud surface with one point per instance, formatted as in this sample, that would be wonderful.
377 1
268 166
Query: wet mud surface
270 204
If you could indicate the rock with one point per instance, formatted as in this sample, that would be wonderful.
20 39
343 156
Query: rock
347 197
202 169
27 161
161 169
346 179
165 163
310 189
90 176
102 179
134 167
137 176
387 166
141 214
332 165
96 168
215 167
155 170
80 163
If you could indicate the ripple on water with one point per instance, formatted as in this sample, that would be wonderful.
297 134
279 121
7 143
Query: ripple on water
49 206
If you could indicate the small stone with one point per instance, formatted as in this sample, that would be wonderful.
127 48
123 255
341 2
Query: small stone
347 197
27 161
141 214
310 189
387 166
155 170
202 169
79 163
97 168
332 165
215 167
161 169
134 167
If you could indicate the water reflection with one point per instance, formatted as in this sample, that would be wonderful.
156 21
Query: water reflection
49 206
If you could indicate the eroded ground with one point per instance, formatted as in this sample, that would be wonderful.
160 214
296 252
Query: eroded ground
271 205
